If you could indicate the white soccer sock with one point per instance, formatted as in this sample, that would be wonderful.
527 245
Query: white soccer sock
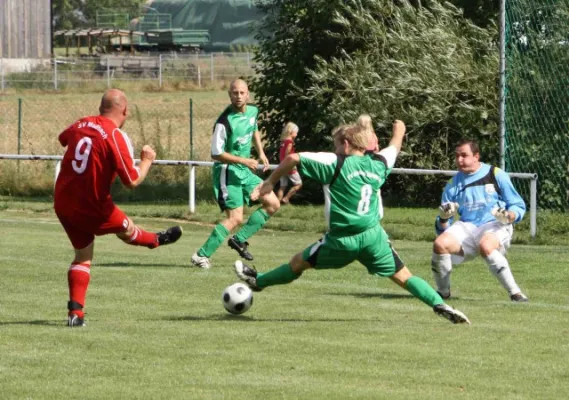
441 266
500 268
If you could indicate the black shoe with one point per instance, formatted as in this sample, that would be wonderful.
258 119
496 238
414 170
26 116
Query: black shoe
247 274
519 298
73 321
444 297
170 235
240 247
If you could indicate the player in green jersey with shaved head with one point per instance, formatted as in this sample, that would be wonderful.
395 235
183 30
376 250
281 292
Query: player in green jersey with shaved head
233 178
351 181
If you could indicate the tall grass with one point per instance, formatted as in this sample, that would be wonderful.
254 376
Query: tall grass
159 119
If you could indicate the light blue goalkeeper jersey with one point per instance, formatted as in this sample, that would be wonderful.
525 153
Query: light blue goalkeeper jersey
480 192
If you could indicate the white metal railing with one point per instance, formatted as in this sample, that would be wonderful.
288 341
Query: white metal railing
405 171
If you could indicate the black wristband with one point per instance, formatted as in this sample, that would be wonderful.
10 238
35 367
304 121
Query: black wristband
443 220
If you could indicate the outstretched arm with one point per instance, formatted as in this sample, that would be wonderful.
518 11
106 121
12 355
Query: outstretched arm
288 164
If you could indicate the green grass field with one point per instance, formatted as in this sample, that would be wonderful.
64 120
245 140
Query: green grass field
157 328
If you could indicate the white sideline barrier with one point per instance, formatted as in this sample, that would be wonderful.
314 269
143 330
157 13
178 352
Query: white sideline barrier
404 171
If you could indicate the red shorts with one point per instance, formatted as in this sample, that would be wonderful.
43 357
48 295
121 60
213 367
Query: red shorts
81 229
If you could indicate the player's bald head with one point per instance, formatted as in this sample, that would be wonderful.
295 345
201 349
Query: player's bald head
113 99
238 83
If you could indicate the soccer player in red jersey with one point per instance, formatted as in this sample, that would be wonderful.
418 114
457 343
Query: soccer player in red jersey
97 151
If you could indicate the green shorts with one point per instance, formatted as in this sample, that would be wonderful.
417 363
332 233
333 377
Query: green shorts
232 185
371 248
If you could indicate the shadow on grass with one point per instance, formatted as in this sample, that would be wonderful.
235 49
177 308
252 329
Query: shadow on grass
36 322
373 295
384 295
138 265
244 318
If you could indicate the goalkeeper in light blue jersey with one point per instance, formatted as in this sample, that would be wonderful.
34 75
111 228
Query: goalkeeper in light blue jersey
478 208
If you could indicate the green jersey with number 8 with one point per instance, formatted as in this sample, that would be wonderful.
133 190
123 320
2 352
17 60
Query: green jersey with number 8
351 185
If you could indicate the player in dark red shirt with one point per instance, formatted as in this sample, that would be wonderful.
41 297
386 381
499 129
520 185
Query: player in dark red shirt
98 151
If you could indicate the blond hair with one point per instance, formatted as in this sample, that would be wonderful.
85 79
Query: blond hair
289 128
364 121
355 134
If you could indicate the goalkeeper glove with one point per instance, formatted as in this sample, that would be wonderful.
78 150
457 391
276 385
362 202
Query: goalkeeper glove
447 210
501 215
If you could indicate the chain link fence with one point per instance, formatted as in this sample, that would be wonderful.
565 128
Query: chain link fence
160 71
177 125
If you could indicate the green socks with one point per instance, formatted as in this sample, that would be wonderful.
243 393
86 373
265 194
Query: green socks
214 240
278 276
423 291
254 223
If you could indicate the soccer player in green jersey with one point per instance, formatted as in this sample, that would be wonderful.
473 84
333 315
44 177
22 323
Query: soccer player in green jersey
233 177
351 182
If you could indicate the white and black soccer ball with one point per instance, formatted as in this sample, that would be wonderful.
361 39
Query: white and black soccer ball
237 298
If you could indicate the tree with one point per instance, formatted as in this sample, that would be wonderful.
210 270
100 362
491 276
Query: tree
324 64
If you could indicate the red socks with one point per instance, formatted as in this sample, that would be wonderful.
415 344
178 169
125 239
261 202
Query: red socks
143 238
78 278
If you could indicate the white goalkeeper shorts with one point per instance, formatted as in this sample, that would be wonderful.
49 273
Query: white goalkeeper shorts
469 236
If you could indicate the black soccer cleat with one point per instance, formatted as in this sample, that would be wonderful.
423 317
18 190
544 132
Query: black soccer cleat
519 298
169 236
443 296
240 247
73 321
247 274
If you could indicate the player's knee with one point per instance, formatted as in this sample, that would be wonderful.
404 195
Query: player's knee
271 203
234 221
440 246
298 265
488 244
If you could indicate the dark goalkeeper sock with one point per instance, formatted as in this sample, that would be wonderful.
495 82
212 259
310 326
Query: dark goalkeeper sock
254 223
214 240
423 291
278 276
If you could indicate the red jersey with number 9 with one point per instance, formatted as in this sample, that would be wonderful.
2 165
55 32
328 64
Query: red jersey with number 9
97 151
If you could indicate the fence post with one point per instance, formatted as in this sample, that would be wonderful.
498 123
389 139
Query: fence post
248 61
199 77
2 73
192 185
19 124
108 73
191 129
160 70
55 73
533 208
211 66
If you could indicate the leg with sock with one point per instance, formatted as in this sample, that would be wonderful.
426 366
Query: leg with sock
423 291
441 266
214 240
255 222
140 237
500 268
277 276
78 277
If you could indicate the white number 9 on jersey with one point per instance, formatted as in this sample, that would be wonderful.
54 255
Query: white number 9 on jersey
365 199
79 164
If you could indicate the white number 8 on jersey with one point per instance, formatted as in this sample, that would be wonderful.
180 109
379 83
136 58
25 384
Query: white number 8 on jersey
365 199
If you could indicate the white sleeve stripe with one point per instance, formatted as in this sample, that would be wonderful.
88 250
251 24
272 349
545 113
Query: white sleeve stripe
130 150
390 155
322 158
218 140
